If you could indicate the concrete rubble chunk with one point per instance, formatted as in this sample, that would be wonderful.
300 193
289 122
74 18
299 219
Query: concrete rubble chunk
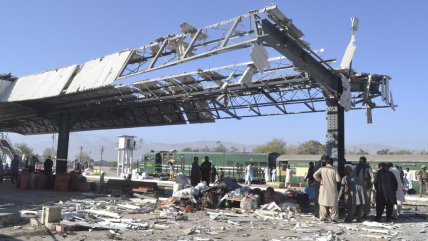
330 237
243 219
189 231
202 239
377 225
103 213
128 206
271 206
160 226
50 214
35 222
379 231
383 237
28 212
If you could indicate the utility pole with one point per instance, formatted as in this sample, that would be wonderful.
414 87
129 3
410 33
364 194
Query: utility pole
81 149
141 154
102 151
53 145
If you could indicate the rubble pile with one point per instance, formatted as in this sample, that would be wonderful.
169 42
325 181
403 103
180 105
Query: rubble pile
202 213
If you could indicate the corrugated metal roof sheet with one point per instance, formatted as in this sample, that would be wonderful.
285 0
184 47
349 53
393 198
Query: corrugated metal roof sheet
4 87
99 72
41 85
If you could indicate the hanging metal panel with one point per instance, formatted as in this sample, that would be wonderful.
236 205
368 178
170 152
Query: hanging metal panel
38 86
99 72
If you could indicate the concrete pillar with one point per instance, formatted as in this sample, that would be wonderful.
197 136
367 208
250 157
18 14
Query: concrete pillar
63 124
335 146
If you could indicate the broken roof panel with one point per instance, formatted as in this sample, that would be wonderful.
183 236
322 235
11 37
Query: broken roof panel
198 112
38 86
99 72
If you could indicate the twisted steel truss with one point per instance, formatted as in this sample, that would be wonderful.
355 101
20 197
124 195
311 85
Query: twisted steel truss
296 81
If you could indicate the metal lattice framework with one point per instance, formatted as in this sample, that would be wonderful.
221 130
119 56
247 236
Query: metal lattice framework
297 81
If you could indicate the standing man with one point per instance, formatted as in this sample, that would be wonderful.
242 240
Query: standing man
14 169
288 177
399 194
249 174
408 176
328 177
267 174
206 170
363 172
273 174
47 169
171 164
47 166
386 186
310 174
32 165
213 174
316 184
423 180
220 176
353 190
195 173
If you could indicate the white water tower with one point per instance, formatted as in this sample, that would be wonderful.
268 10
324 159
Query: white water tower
125 152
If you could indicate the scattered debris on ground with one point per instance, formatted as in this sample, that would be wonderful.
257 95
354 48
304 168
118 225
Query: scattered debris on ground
229 212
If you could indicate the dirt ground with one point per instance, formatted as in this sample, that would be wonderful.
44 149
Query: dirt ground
159 225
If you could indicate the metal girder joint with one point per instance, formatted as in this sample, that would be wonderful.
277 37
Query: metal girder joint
287 46
225 109
273 101
335 146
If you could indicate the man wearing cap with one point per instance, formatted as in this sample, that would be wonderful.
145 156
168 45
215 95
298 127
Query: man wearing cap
423 180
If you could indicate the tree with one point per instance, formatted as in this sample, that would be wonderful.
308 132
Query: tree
83 157
385 151
220 147
311 147
49 152
112 164
24 149
361 152
205 149
233 149
402 152
275 145
187 149
292 150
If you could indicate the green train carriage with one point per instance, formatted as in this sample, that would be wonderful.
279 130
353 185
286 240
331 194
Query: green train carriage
155 163
300 164
233 163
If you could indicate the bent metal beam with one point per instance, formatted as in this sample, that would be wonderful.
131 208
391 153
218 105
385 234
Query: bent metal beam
129 88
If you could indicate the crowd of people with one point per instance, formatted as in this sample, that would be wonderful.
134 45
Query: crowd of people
361 188
27 163
270 175
206 172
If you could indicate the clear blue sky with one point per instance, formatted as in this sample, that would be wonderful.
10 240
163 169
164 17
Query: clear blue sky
392 39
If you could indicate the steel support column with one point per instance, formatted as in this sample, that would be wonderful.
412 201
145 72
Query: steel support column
63 123
335 146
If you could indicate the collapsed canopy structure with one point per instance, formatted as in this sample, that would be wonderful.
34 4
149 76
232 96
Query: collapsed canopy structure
164 83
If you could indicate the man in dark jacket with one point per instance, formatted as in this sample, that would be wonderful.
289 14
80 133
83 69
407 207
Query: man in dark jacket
47 166
14 169
310 174
213 174
386 185
206 170
195 173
